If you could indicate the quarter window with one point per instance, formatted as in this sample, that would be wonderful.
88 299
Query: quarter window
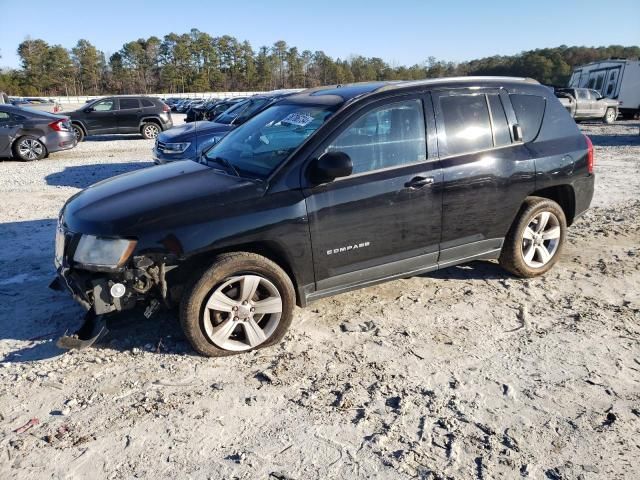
146 103
129 103
385 137
529 112
466 123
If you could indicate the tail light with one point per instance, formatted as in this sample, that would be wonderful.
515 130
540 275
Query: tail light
60 126
165 108
590 159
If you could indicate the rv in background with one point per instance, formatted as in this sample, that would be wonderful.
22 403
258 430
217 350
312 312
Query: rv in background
617 79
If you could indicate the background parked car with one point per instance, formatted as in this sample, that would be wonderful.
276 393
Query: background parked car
28 134
210 110
125 114
187 142
42 104
587 104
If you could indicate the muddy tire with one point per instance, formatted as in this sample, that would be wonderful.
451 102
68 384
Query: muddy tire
150 130
28 149
242 302
610 116
535 240
78 132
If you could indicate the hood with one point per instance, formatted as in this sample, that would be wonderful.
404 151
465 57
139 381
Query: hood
156 199
198 131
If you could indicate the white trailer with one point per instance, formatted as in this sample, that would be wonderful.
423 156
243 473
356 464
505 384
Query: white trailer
616 79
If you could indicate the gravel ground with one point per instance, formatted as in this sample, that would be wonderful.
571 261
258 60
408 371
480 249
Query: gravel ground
461 373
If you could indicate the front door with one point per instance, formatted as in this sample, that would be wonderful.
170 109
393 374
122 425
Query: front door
101 118
128 114
384 219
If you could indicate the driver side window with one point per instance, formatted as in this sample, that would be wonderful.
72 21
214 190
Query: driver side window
388 136
104 106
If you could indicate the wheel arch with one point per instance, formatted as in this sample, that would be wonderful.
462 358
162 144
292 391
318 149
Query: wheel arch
563 195
271 250
150 120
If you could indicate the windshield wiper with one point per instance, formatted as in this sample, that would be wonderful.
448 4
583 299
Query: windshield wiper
225 163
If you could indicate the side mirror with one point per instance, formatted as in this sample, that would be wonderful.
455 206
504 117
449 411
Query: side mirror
330 166
517 133
88 110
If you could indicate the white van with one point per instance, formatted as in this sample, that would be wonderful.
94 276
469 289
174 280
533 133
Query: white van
617 79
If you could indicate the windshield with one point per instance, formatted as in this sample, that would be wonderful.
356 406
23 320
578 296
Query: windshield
256 148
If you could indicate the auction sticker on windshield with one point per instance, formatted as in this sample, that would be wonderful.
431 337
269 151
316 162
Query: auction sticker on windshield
299 119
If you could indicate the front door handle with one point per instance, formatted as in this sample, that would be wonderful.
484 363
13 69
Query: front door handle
419 182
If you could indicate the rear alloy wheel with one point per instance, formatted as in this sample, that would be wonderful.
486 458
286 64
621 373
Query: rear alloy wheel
536 238
78 132
242 302
29 148
610 116
150 131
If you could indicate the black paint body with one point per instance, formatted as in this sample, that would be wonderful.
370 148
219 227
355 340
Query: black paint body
189 212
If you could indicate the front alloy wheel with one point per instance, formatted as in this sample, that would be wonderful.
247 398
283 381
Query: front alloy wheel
242 302
242 313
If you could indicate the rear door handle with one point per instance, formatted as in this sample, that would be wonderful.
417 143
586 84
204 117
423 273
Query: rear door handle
419 182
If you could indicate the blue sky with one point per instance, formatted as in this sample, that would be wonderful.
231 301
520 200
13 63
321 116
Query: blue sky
401 32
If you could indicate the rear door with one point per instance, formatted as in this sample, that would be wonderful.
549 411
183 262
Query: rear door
101 118
485 172
128 114
384 219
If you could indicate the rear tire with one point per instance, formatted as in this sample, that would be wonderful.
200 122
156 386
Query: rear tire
535 240
242 302
610 116
78 132
28 149
150 130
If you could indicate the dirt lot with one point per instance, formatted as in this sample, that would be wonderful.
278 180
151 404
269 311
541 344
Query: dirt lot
463 373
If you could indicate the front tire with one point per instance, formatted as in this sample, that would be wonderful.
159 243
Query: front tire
150 131
242 302
28 149
610 116
536 238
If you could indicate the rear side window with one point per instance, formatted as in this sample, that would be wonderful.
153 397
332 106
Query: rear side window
501 133
129 103
146 103
467 126
529 112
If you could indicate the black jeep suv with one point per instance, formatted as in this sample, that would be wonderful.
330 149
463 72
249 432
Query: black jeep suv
329 190
147 116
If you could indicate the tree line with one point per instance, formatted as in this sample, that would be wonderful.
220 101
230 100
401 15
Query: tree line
199 62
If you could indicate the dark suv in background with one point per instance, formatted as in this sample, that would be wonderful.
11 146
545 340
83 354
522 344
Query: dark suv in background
147 116
330 190
187 142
